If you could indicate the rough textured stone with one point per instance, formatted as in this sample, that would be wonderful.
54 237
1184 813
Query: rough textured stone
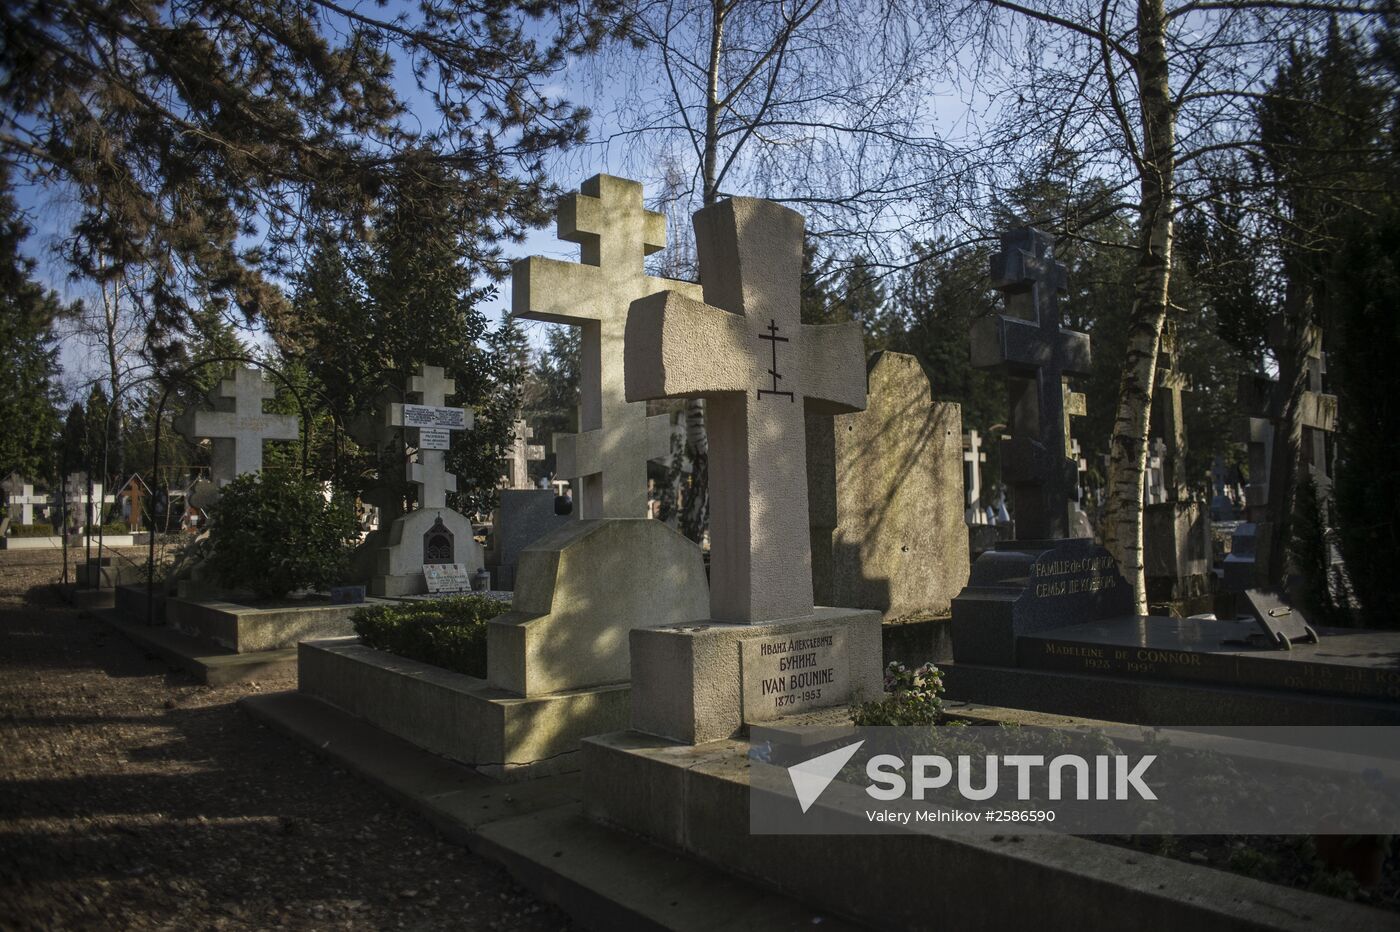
886 479
607 460
579 591
688 682
760 368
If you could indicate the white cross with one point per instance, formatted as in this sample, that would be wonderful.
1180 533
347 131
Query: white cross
746 350
608 457
973 458
430 473
237 430
522 453
1156 486
20 499
76 492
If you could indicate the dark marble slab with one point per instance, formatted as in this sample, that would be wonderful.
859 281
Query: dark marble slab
1346 662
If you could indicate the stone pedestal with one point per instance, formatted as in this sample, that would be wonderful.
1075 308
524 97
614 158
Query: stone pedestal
428 535
1025 587
703 682
580 591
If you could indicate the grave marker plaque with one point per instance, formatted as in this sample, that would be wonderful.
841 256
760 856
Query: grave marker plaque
785 674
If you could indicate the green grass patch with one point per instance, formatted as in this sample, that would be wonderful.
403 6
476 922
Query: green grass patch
448 633
31 530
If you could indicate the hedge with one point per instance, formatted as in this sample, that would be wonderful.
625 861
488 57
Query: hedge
31 530
448 633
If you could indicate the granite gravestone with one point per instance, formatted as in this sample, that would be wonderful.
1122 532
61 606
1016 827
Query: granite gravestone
761 370
1045 579
887 524
606 462
431 534
238 426
1036 354
522 517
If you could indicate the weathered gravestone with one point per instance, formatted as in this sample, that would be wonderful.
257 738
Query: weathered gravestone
887 521
522 454
238 426
606 462
432 533
766 650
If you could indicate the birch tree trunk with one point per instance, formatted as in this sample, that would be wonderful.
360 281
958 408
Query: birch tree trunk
1128 444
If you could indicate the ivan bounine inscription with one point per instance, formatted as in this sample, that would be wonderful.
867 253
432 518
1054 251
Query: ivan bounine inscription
792 673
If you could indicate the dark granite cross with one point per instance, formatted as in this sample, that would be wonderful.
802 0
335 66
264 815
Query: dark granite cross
1036 354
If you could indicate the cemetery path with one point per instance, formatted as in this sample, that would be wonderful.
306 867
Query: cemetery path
130 797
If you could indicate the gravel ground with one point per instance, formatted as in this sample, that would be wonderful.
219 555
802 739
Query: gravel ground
130 797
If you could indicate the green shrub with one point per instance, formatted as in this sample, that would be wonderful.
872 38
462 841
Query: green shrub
31 530
273 532
911 698
448 633
112 527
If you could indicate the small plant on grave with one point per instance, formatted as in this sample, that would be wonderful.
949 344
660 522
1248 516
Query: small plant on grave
448 633
912 697
273 532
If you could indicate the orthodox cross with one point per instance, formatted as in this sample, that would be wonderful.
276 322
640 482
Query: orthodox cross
432 421
726 349
239 426
1036 354
973 458
606 460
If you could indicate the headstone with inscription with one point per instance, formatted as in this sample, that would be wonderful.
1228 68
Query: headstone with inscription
1045 578
887 521
766 650
432 534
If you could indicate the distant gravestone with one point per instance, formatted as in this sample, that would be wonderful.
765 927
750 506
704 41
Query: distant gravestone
1036 354
522 454
522 517
973 458
432 534
20 499
761 370
606 461
85 500
882 475
238 426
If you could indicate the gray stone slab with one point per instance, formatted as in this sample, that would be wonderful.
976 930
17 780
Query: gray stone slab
1346 662
523 517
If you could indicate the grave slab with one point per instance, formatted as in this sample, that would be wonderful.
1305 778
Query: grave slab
523 517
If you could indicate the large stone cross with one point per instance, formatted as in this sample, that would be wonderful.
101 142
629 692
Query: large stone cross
238 429
607 459
1317 412
522 454
1036 354
973 458
433 422
746 350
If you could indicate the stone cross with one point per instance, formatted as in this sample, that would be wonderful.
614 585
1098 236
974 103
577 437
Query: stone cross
88 500
1036 354
746 351
430 473
607 459
1081 465
1317 413
1168 409
1257 396
973 458
20 499
239 426
1155 478
522 453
